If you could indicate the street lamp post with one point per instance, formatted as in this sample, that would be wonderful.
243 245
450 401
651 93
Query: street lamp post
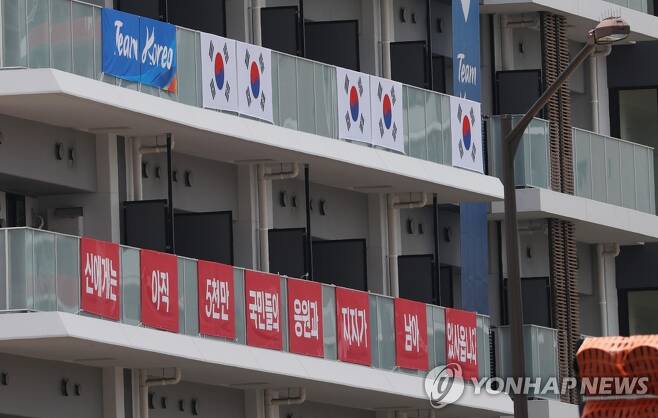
606 32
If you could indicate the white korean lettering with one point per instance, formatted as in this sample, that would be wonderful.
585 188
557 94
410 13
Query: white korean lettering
411 333
355 326
217 302
100 277
160 289
306 319
264 310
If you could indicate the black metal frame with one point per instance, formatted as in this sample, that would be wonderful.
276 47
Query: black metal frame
217 212
365 255
356 40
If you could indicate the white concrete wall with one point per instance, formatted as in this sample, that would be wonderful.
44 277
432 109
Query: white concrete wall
28 153
416 243
533 236
347 211
213 401
318 410
214 184
34 389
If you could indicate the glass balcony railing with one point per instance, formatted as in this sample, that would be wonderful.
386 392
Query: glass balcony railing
614 171
639 5
66 35
531 165
541 353
40 271
606 169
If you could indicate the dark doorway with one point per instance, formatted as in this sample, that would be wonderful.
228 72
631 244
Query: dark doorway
280 29
334 43
341 262
206 236
15 210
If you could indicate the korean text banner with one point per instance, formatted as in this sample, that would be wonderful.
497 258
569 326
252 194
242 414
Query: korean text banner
219 73
354 115
353 326
461 342
254 67
466 134
216 299
263 310
139 49
411 335
466 48
386 105
159 290
305 318
100 278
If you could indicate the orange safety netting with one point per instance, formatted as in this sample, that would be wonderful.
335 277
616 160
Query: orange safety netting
639 408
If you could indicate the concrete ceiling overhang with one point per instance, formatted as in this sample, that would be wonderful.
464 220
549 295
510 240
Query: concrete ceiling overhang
63 99
582 15
596 222
99 343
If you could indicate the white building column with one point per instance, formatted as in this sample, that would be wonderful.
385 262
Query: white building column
606 285
106 224
377 244
113 400
254 403
388 35
246 237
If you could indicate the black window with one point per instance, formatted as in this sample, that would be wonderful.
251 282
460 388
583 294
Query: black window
280 29
334 43
146 8
204 15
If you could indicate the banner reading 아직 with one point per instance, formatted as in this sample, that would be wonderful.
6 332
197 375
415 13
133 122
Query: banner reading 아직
411 335
159 290
305 318
353 326
100 278
218 73
216 299
461 341
263 309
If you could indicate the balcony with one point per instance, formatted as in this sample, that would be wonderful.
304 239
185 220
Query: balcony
541 355
606 169
40 271
639 5
66 35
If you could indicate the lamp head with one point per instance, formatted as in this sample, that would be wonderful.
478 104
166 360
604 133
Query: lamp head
608 31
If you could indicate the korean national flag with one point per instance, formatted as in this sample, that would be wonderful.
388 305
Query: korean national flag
466 133
387 113
219 73
254 65
353 105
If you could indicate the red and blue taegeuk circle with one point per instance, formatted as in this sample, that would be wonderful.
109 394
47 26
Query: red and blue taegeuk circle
254 79
354 103
466 132
219 71
387 111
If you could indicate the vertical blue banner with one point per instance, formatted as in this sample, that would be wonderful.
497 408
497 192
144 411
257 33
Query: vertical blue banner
138 49
466 49
121 51
472 216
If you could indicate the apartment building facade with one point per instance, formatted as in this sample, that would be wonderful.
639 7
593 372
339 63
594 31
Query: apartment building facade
352 144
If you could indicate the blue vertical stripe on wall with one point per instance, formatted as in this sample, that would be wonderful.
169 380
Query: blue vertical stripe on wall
473 216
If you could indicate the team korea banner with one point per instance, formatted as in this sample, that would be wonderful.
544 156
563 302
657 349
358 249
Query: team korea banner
387 113
139 49
159 290
219 73
353 105
216 299
305 318
461 341
100 278
353 326
466 134
263 309
254 67
411 335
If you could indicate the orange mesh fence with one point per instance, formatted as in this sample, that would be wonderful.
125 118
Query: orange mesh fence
602 357
642 359
640 408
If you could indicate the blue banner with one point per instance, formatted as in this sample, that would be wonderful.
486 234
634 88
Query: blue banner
466 49
138 49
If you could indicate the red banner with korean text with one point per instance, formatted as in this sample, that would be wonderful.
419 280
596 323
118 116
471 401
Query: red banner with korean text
305 318
100 278
263 309
411 335
353 326
216 299
159 290
461 341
